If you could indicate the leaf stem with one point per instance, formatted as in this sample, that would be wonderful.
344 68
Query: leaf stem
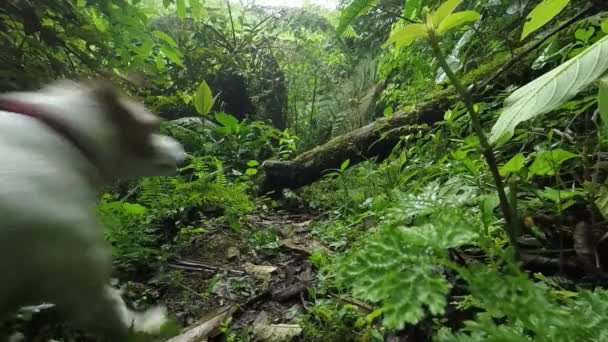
486 148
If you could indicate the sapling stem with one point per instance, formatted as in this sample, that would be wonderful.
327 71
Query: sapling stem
486 148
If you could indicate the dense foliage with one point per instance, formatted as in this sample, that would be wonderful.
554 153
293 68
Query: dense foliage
489 224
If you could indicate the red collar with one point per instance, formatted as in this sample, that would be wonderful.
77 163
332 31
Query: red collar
35 112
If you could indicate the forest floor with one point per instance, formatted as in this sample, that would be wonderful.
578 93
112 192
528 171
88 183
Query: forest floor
256 278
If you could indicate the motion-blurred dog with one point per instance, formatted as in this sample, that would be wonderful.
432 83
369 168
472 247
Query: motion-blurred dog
58 147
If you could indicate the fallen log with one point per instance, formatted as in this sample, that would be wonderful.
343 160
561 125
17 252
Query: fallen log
374 140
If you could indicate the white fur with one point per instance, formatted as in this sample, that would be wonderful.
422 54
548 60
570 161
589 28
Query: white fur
51 246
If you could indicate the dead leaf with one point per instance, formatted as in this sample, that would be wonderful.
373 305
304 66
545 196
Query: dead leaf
232 253
258 270
274 332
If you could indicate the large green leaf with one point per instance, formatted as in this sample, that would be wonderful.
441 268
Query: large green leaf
542 14
411 8
457 19
404 35
181 9
355 9
602 100
165 37
444 10
173 54
203 99
227 121
547 162
551 90
514 165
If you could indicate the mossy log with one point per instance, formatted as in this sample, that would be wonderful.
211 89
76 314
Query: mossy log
374 140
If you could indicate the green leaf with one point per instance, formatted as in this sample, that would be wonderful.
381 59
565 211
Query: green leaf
227 120
352 11
145 49
181 9
403 36
549 91
514 165
388 112
605 26
547 162
584 35
444 10
160 63
100 22
165 37
542 14
602 100
166 3
253 163
602 202
197 9
557 195
457 19
173 54
411 9
203 99
344 165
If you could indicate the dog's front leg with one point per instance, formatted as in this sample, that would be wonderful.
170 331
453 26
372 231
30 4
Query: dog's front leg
81 294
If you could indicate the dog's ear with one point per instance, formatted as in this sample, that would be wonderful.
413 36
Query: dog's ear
125 112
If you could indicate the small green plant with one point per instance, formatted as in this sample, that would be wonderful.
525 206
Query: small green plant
265 241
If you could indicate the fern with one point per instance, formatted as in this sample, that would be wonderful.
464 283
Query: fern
399 267
528 311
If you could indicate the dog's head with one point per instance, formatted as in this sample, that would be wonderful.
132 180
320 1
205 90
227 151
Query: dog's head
143 150
119 135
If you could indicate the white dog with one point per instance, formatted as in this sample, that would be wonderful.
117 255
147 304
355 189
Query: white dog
58 147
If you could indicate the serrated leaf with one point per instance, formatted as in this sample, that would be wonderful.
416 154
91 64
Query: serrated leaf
549 91
165 37
181 9
352 11
173 54
411 9
547 162
542 14
197 9
514 165
445 10
602 100
203 99
457 19
403 36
